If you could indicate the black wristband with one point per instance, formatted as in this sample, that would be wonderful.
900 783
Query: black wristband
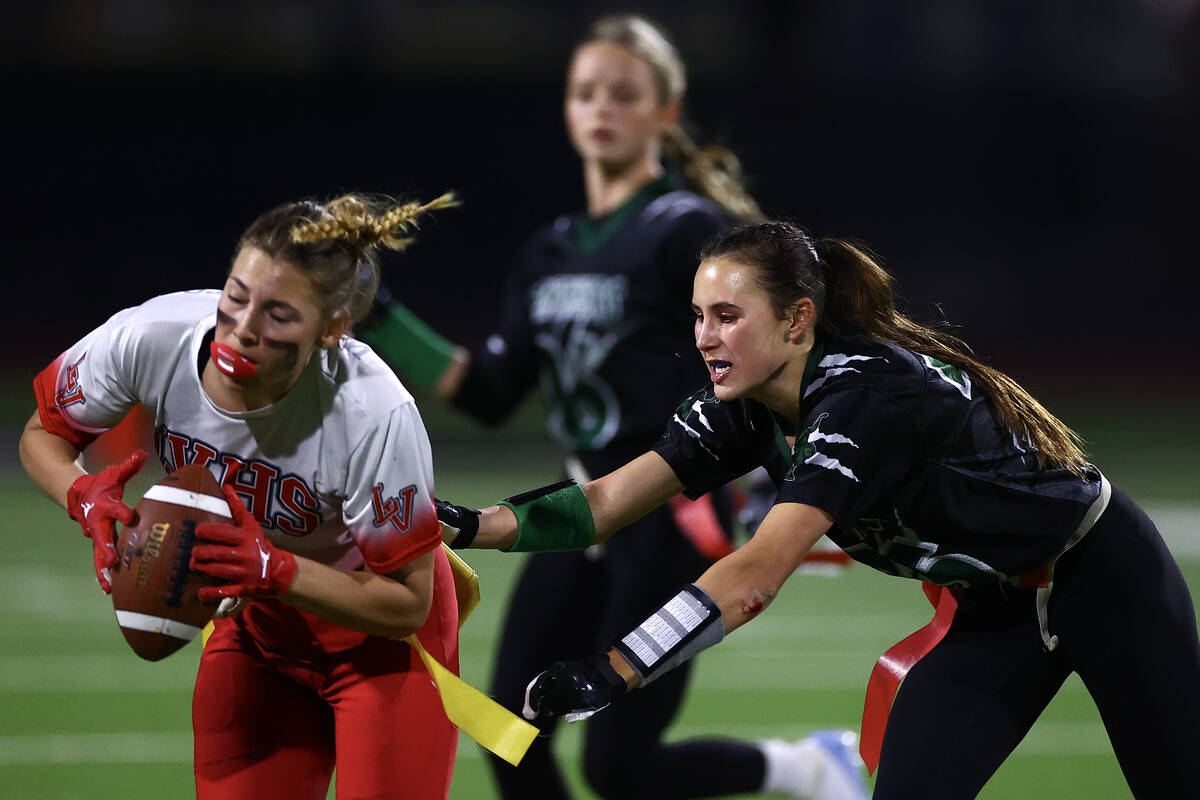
460 518
610 675
464 538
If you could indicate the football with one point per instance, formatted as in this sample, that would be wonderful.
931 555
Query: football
153 589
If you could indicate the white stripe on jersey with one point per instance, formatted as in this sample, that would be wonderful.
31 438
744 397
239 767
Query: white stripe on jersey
839 359
698 407
692 432
822 460
837 362
832 438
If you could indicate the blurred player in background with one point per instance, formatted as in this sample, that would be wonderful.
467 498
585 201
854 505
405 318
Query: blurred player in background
596 309
334 547
921 462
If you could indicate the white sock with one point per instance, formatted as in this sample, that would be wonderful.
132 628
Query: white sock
793 768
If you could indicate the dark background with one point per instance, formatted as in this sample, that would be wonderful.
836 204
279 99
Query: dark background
1026 168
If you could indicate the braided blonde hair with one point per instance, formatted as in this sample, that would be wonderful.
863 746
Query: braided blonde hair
336 243
713 170
360 221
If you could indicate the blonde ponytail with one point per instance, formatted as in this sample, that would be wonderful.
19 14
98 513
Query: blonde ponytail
335 243
363 224
715 171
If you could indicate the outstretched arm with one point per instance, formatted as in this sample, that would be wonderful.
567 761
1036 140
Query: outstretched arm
745 582
742 584
729 594
630 493
566 516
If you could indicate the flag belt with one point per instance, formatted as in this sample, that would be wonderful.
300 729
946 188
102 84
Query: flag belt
901 657
893 665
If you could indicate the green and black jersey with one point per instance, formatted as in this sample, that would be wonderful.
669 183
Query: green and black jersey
599 312
905 453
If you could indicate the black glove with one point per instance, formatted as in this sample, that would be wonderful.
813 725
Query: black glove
573 689
463 521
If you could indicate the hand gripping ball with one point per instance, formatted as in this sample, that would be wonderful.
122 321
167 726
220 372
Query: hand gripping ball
153 589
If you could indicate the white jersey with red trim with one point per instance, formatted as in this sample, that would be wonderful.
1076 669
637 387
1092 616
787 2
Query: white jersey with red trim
338 470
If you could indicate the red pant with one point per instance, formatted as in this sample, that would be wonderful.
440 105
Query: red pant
274 712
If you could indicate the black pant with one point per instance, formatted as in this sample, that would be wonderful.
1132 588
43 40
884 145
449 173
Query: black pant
1126 624
571 605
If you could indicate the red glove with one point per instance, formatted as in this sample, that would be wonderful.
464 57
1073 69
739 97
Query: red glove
240 554
94 501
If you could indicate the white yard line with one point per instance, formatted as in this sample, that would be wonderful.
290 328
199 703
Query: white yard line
94 673
175 747
1180 528
95 748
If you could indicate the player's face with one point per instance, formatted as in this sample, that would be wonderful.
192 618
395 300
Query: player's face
744 342
270 315
613 113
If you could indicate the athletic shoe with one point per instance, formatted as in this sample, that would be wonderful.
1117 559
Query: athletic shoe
822 766
843 778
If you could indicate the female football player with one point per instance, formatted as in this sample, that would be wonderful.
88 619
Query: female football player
595 309
919 461
334 545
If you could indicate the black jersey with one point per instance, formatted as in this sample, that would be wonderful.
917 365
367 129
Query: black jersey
599 311
905 453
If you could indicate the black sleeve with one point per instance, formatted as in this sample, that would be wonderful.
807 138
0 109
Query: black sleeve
504 367
856 445
709 443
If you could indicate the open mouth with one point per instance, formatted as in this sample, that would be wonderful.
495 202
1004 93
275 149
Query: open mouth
719 369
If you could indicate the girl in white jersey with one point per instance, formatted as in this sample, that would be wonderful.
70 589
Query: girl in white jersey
334 551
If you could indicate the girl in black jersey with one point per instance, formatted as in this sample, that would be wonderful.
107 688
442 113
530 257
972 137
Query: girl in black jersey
921 462
595 308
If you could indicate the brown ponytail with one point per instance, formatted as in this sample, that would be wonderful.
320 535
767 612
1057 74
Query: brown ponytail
854 297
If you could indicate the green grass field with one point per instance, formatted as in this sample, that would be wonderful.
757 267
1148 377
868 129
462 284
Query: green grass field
82 717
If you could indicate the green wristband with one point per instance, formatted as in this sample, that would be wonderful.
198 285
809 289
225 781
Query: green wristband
410 346
552 519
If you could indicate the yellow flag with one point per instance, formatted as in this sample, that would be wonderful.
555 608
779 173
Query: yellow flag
477 715
466 584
